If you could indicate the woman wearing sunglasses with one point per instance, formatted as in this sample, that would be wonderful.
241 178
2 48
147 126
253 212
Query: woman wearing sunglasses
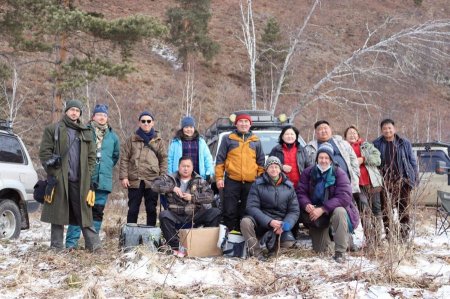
143 158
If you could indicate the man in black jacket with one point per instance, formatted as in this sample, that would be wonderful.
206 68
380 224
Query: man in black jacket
400 172
186 193
272 210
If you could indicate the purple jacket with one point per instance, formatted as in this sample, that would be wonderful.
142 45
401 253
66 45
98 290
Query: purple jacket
340 195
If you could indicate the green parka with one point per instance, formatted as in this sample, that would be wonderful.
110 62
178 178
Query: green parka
57 212
102 174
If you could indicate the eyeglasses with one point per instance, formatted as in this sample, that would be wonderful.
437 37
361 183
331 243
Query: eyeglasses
149 121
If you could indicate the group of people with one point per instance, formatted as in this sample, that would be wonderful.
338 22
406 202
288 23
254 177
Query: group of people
325 185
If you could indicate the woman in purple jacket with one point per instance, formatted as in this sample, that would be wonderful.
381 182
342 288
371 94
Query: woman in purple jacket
325 198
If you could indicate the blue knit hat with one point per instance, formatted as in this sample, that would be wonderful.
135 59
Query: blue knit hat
187 121
325 148
146 113
100 108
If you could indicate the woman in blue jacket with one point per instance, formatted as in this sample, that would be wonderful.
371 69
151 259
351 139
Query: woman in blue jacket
188 142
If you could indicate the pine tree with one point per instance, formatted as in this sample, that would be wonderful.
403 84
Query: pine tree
86 40
189 29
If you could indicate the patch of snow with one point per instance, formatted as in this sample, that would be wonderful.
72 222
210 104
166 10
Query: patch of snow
168 54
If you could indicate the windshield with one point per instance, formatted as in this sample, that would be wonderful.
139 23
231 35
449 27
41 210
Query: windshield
270 139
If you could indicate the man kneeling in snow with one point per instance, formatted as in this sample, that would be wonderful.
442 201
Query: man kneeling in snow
186 193
272 210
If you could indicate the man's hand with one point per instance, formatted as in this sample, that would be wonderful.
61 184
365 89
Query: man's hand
125 183
187 196
287 168
309 208
316 213
178 191
220 184
277 226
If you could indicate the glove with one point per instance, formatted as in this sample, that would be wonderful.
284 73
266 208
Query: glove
90 198
50 189
286 226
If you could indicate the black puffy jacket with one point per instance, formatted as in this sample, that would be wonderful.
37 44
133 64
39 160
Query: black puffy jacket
267 201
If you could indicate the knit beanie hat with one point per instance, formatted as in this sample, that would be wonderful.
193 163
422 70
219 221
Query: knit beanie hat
272 160
325 148
100 108
74 103
187 121
146 113
243 116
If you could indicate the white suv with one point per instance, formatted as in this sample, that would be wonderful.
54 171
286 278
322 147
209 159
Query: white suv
17 179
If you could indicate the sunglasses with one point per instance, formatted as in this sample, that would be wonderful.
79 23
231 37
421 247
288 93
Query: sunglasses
149 121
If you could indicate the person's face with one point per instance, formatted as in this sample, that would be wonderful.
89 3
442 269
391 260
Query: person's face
352 136
189 131
73 113
388 131
185 169
323 160
243 125
323 132
100 118
273 170
289 136
146 123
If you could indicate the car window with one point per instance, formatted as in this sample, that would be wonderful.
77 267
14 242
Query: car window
427 159
10 150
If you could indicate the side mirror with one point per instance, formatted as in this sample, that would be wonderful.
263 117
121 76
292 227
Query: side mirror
441 167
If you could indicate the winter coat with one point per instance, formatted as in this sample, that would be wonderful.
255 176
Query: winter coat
199 188
267 202
102 175
302 159
242 158
57 212
372 160
339 195
142 162
347 153
205 163
406 160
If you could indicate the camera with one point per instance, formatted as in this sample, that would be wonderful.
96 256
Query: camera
54 161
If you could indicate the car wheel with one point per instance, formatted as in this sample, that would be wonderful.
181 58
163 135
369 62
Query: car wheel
10 222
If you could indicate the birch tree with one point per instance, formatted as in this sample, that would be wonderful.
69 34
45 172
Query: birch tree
249 41
410 54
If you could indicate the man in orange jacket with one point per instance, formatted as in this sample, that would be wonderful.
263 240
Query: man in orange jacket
239 162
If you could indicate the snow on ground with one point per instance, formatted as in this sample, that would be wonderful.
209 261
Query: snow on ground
30 270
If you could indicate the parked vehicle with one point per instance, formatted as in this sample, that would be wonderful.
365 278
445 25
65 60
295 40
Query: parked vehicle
17 179
428 154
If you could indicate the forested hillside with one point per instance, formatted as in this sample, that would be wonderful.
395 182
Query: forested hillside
353 62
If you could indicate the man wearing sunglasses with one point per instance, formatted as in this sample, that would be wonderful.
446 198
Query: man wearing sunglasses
142 159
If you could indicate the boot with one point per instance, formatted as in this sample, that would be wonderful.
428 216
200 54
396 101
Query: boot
97 226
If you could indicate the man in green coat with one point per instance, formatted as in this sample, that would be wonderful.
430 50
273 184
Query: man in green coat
73 143
107 154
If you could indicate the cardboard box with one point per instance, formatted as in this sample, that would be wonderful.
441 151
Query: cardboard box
200 242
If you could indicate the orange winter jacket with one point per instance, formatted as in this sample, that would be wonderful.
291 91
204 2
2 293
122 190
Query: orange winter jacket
240 157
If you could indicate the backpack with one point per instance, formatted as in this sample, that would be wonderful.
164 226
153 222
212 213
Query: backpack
132 235
232 245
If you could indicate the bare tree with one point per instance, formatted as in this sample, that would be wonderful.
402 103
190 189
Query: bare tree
188 91
249 41
13 99
295 40
405 55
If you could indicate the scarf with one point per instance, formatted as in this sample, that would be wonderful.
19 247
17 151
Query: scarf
322 180
77 126
146 136
100 131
